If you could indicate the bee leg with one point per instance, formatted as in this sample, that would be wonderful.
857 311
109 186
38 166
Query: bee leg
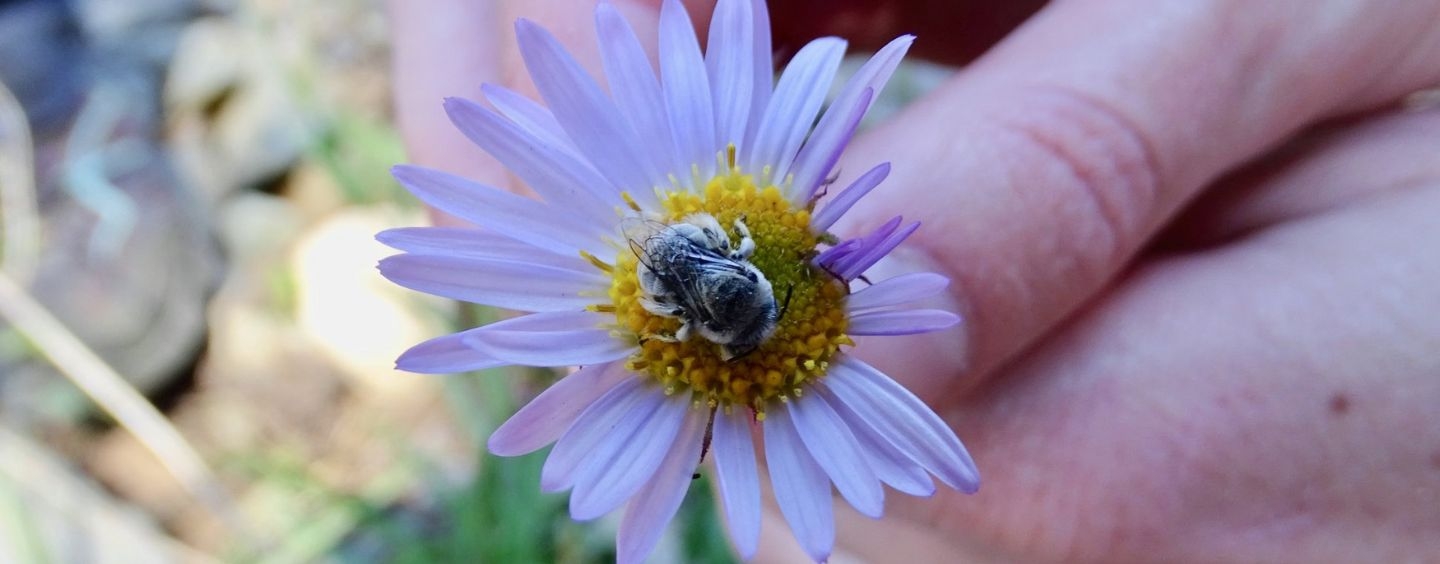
729 353
660 308
663 338
684 333
747 244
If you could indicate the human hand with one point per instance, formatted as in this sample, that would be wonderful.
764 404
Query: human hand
1195 245
1161 360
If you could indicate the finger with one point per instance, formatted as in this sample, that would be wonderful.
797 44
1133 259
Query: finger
1256 386
1314 174
445 48
1040 170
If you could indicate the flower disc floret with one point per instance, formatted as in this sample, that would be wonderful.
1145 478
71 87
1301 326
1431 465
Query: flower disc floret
810 331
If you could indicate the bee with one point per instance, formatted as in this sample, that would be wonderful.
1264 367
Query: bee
689 271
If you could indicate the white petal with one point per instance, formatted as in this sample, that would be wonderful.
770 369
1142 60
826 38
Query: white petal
836 450
653 508
836 208
511 285
551 413
792 109
896 291
549 227
729 59
890 465
905 421
739 483
801 488
687 93
554 173
904 322
590 119
596 426
612 475
474 243
561 338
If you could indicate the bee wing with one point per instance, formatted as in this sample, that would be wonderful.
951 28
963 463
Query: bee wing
640 229
698 287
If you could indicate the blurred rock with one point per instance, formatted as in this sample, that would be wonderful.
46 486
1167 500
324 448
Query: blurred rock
126 261
73 519
108 20
135 31
142 305
314 191
41 50
257 227
234 121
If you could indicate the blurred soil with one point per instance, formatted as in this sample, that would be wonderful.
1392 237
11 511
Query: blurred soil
209 175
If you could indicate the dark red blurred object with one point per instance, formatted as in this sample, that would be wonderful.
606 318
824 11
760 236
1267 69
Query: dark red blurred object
948 31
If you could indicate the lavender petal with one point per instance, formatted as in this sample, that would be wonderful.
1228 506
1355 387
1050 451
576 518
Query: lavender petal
446 355
822 150
596 426
899 290
836 451
590 119
842 257
511 285
793 106
560 338
906 322
475 243
653 508
728 57
550 414
874 251
523 219
763 66
612 475
905 421
847 198
867 82
687 94
738 480
801 488
529 115
890 465
635 88
556 175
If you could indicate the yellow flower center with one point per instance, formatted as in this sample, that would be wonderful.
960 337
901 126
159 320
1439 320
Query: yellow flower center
811 328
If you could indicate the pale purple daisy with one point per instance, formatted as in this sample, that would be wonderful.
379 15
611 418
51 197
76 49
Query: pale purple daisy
680 255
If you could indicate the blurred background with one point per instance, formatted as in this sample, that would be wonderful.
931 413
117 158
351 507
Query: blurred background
195 349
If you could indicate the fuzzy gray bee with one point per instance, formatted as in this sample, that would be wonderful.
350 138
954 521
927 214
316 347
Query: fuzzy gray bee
688 271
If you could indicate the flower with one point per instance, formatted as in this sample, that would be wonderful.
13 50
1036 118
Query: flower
712 137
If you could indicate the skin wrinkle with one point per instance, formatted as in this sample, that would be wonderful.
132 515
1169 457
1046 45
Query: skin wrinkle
1110 159
1332 168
